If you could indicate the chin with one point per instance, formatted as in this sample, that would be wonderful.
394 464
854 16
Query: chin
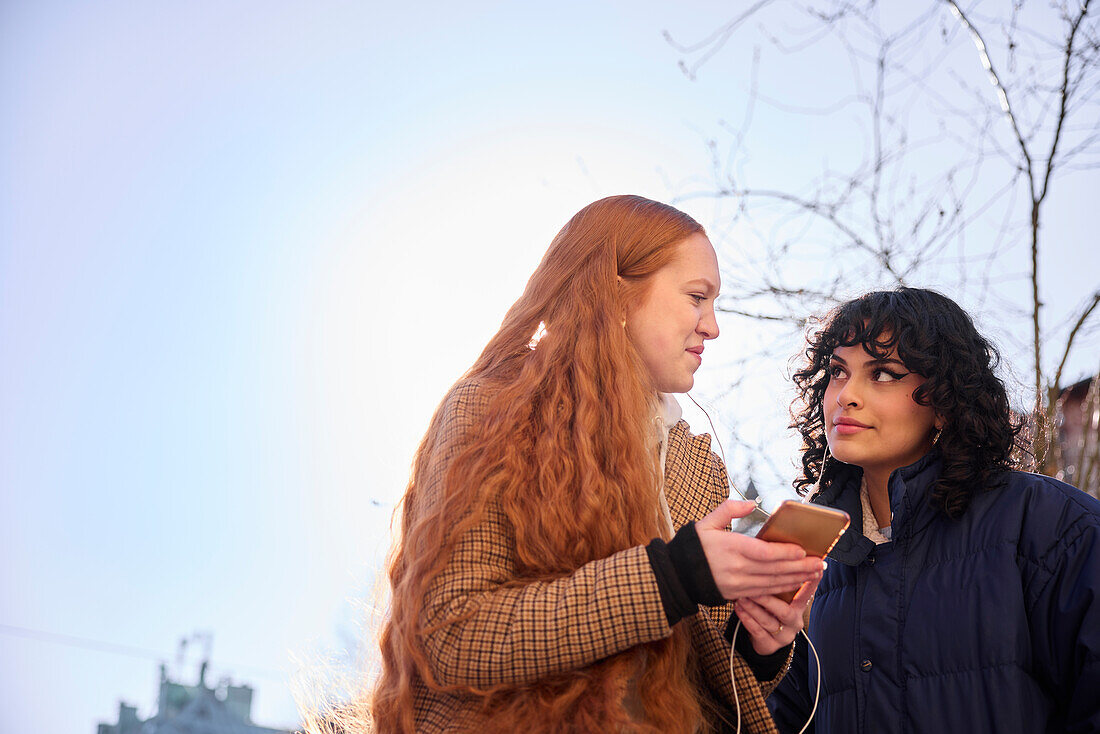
843 454
676 386
674 383
684 386
849 462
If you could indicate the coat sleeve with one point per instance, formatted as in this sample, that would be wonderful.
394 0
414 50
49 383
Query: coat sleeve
1065 624
484 628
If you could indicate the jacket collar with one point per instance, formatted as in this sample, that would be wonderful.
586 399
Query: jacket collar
688 470
909 490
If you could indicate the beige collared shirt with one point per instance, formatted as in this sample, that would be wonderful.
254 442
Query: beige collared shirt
871 529
668 412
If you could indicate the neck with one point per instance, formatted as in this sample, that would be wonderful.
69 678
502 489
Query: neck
879 494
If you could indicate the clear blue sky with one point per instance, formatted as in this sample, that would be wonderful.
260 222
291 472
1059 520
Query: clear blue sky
244 249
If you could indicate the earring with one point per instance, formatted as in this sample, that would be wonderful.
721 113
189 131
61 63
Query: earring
936 437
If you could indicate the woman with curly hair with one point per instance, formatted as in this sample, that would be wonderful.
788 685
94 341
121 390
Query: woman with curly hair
965 596
550 570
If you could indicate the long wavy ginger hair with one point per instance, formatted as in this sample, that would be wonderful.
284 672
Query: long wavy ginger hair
566 452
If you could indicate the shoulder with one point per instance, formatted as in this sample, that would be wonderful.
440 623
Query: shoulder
469 393
686 447
691 463
1049 497
465 403
453 429
1052 516
453 425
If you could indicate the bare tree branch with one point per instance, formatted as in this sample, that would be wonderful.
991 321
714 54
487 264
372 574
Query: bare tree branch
1085 313
929 185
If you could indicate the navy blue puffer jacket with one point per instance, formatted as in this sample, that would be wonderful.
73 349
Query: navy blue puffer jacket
989 623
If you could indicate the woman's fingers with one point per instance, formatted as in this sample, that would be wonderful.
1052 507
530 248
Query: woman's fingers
736 587
744 566
725 513
797 575
767 631
751 553
756 615
775 607
805 595
754 619
763 550
772 622
757 584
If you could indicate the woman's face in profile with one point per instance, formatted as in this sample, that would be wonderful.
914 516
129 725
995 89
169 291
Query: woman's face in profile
871 418
676 315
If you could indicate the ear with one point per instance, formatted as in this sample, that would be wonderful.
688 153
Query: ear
619 283
939 422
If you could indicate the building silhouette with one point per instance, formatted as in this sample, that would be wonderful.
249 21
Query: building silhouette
1078 435
197 709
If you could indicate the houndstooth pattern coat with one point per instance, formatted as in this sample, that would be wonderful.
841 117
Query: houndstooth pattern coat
515 635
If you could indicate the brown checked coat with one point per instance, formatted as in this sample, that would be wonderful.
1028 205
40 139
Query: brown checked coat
486 633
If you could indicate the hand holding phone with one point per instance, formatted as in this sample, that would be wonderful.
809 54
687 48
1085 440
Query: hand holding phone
813 527
744 566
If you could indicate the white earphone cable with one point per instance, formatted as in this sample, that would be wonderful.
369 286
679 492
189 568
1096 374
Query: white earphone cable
757 502
722 454
733 679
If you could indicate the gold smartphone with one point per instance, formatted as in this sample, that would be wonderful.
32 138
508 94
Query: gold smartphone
815 528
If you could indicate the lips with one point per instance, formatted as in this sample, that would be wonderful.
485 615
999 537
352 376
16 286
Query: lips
698 352
849 426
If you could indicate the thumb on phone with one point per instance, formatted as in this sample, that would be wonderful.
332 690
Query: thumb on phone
724 514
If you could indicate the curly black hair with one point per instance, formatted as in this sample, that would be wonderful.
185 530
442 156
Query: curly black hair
935 338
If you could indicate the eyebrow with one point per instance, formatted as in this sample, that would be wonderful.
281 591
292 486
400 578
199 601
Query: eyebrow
868 363
710 287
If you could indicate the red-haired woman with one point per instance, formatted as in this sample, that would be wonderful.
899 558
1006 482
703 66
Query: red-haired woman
550 572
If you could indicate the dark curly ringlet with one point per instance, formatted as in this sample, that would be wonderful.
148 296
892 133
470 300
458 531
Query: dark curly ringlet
935 338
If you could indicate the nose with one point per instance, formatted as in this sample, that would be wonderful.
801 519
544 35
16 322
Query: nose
708 324
848 395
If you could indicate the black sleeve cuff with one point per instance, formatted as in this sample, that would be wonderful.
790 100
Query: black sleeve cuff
692 568
683 575
764 667
674 599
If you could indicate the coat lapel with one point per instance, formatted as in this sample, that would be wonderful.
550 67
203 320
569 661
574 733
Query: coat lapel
690 482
